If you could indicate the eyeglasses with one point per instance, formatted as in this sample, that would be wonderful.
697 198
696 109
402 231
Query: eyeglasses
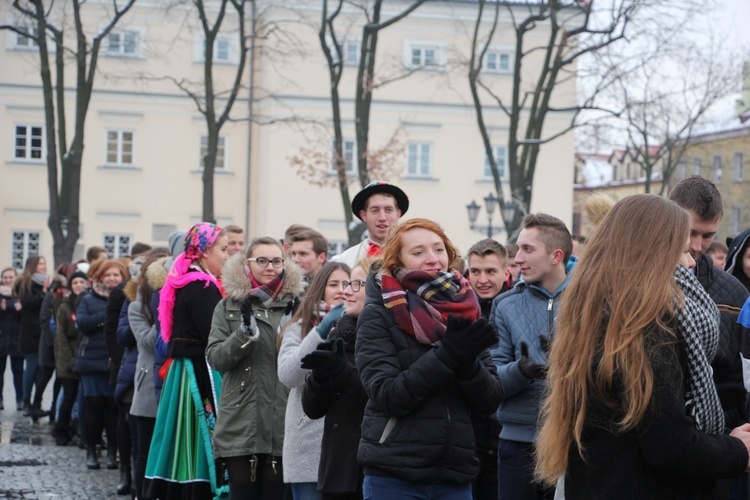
355 284
263 262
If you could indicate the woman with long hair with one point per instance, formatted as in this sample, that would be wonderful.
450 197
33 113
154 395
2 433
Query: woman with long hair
30 289
261 286
92 361
334 391
321 307
10 320
181 461
632 410
421 352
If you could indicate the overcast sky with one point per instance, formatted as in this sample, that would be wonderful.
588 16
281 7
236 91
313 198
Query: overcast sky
734 16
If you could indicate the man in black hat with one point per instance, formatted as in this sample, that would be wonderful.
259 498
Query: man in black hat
379 205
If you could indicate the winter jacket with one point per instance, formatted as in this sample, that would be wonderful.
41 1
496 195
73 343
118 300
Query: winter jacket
10 323
126 339
193 311
66 339
111 324
92 355
737 248
30 330
522 314
341 400
417 422
253 400
302 435
47 314
729 296
663 456
160 348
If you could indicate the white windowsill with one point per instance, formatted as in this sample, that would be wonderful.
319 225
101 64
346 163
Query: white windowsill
132 168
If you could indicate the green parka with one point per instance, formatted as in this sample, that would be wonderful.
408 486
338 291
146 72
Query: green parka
66 339
251 412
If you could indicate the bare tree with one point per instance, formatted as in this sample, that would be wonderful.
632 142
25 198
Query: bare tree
551 35
64 195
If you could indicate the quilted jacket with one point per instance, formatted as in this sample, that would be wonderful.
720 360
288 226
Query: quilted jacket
522 314
729 295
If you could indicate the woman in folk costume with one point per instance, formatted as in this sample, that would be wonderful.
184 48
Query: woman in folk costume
632 410
181 462
421 352
261 289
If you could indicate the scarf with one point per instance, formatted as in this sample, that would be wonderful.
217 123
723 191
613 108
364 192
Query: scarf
346 329
38 278
101 289
421 301
323 309
373 249
266 293
698 325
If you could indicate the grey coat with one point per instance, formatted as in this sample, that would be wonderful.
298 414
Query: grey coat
253 401
144 399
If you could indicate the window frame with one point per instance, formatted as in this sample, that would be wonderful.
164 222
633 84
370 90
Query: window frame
26 244
716 168
350 169
418 173
697 165
28 148
114 249
438 47
737 166
119 153
499 53
223 148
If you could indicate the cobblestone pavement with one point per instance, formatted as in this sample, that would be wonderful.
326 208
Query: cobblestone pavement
32 467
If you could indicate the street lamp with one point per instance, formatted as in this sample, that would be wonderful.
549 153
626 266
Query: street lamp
490 203
509 212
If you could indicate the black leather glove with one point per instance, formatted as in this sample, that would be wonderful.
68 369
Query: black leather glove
529 368
291 307
246 309
327 361
466 339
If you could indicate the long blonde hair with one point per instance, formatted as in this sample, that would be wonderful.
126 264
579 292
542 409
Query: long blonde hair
622 285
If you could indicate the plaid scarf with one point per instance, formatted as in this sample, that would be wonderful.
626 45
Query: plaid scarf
422 300
698 324
267 293
323 309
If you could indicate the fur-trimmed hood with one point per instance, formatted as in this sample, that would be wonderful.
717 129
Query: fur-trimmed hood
237 284
156 274
131 290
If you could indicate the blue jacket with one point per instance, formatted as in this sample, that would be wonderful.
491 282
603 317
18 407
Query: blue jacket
92 356
125 337
522 314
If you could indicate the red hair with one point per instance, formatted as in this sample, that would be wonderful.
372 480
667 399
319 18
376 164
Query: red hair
392 249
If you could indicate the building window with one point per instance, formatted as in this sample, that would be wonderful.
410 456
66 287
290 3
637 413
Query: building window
697 166
122 43
24 244
681 169
349 149
221 163
23 41
221 50
419 159
29 142
336 247
424 56
351 53
717 168
499 152
737 167
120 148
497 62
735 216
117 245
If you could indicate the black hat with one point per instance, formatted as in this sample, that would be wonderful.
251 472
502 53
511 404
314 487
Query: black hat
375 187
78 274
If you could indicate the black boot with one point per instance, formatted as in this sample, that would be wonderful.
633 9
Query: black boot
91 461
112 459
36 413
125 480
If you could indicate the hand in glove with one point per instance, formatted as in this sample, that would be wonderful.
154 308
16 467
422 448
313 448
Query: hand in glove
324 328
529 368
466 339
327 361
291 307
246 311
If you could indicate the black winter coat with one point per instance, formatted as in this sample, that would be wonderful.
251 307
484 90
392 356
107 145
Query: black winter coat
342 402
47 315
664 456
10 323
114 307
30 331
92 357
193 311
417 424
126 340
729 296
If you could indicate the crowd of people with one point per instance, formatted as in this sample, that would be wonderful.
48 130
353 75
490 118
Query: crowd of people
554 367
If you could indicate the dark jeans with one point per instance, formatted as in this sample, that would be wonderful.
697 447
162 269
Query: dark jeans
101 414
70 392
145 427
16 368
125 439
515 473
484 487
29 375
43 376
391 488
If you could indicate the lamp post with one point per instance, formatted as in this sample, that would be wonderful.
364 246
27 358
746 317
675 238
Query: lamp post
490 203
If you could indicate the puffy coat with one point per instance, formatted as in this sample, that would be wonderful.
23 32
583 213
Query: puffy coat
126 339
10 323
115 301
47 316
30 330
66 339
253 400
92 356
417 423
737 248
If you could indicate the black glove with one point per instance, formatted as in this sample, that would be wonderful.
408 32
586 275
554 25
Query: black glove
291 307
327 361
466 339
529 368
246 309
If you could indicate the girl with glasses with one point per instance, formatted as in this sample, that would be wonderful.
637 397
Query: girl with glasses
249 433
320 309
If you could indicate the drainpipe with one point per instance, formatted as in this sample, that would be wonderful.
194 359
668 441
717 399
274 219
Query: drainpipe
250 100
